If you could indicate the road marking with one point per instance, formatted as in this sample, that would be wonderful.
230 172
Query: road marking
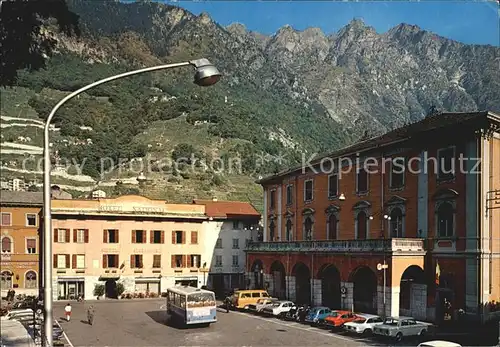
64 334
297 327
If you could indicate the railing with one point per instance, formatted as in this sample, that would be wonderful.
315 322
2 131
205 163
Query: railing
375 245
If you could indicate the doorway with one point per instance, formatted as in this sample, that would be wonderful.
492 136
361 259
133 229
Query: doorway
110 289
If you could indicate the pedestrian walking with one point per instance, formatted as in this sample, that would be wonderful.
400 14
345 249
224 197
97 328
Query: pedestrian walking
227 303
90 314
67 311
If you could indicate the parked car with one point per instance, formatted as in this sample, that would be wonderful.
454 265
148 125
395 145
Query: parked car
261 303
439 343
338 318
242 298
364 324
317 314
278 309
16 312
398 327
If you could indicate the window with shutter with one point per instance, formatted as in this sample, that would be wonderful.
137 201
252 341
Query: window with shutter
156 236
73 261
6 219
86 236
188 261
156 260
162 236
61 236
54 261
66 234
80 261
104 261
105 236
6 244
56 235
31 246
61 261
132 261
172 261
67 261
184 261
75 236
174 238
194 237
179 237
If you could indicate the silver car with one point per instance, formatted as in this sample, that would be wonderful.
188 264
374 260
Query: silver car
398 327
261 304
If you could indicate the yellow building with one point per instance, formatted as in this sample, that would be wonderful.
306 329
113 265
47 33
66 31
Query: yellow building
19 228
147 245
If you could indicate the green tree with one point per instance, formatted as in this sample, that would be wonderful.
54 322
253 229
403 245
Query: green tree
22 38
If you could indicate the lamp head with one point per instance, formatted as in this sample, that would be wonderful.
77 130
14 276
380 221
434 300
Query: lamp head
386 216
206 74
342 197
370 218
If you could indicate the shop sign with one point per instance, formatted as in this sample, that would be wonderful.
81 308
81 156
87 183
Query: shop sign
19 265
145 250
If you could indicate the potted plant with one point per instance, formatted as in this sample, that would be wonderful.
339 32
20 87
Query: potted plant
99 290
120 288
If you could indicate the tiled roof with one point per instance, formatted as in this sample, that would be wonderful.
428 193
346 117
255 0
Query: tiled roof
426 125
8 197
228 209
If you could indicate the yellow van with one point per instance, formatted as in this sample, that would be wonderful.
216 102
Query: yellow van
243 298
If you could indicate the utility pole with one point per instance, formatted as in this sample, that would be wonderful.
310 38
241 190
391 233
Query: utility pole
383 267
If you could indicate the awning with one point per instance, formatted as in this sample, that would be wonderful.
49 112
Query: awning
106 277
186 278
70 279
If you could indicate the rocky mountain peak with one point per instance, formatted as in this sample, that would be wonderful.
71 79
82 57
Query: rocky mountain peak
204 18
309 41
237 29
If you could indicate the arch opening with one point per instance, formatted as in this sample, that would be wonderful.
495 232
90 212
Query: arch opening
413 293
365 290
258 274
279 283
302 284
330 287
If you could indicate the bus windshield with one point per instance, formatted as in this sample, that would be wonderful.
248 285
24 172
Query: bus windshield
201 300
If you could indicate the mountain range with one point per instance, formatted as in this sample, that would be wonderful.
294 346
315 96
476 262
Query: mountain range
280 95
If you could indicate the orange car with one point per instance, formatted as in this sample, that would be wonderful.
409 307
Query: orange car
337 318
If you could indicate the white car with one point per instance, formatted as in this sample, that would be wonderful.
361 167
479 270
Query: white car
261 304
399 327
364 324
278 309
17 313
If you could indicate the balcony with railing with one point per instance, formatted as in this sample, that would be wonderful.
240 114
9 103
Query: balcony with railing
341 246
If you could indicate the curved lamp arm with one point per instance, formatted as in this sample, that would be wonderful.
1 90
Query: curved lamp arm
47 232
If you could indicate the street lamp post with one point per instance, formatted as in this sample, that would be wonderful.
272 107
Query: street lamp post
383 267
206 74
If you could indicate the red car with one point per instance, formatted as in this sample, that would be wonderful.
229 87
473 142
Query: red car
337 318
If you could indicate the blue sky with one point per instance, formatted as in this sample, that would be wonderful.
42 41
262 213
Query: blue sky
468 21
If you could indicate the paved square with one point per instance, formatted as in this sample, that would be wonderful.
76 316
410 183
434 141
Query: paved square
142 323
